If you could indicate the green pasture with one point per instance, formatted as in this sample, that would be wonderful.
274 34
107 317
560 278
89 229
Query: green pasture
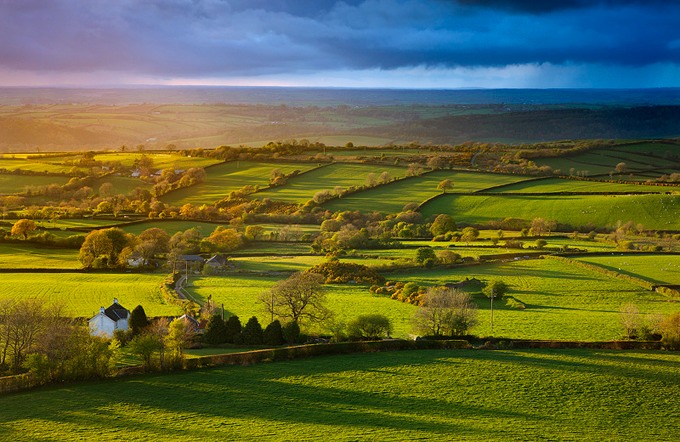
160 160
20 256
228 177
283 263
658 149
33 166
552 185
585 395
240 293
93 223
263 248
13 184
121 184
81 294
562 301
172 226
658 212
302 188
392 197
662 269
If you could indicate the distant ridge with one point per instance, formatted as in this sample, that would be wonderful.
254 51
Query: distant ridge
335 96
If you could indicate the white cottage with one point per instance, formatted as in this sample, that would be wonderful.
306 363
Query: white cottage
110 319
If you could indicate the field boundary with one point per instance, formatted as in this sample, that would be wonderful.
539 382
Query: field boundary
598 269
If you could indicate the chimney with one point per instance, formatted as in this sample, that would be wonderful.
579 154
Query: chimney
115 300
101 310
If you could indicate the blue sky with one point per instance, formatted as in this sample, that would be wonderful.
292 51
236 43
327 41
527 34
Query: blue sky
370 43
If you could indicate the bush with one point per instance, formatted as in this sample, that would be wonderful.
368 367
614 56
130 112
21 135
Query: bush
339 272
252 332
670 331
291 333
232 332
372 327
273 334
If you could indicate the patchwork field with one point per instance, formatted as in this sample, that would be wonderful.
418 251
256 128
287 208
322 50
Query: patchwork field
81 294
391 198
552 185
12 184
160 160
652 211
228 177
301 189
413 395
662 269
19 256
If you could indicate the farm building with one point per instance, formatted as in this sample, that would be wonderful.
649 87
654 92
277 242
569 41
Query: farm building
110 319
217 262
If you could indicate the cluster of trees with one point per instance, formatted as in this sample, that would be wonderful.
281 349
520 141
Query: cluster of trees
646 328
37 338
108 248
230 331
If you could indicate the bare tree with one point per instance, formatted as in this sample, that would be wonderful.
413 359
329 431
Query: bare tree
445 312
299 298
630 319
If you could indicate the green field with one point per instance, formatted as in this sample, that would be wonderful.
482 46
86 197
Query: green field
391 198
240 293
551 185
413 395
661 269
228 177
19 256
301 189
562 301
12 184
81 294
652 211
160 160
33 166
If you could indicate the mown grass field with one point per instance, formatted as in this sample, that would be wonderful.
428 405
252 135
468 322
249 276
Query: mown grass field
160 160
81 294
20 256
652 211
240 293
392 197
228 177
552 185
562 301
33 165
301 189
12 184
662 269
412 395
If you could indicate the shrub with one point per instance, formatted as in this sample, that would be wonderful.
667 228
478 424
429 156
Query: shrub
670 331
252 332
273 334
373 326
291 333
232 331
339 272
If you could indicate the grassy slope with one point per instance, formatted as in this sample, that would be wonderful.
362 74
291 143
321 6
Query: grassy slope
653 211
659 269
10 184
415 395
302 189
19 256
229 177
81 294
562 185
391 198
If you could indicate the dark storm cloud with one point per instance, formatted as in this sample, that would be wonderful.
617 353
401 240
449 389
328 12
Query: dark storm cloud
208 38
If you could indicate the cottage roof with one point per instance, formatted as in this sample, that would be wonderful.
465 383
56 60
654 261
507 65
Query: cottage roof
192 258
217 259
116 311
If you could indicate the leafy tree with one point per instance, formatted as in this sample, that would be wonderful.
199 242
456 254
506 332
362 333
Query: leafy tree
301 297
224 239
469 234
23 227
670 331
145 346
540 243
216 330
232 329
252 332
445 185
372 326
621 167
425 253
138 320
442 224
180 335
273 334
445 312
495 289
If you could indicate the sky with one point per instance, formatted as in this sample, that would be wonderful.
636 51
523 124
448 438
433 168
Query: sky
351 43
